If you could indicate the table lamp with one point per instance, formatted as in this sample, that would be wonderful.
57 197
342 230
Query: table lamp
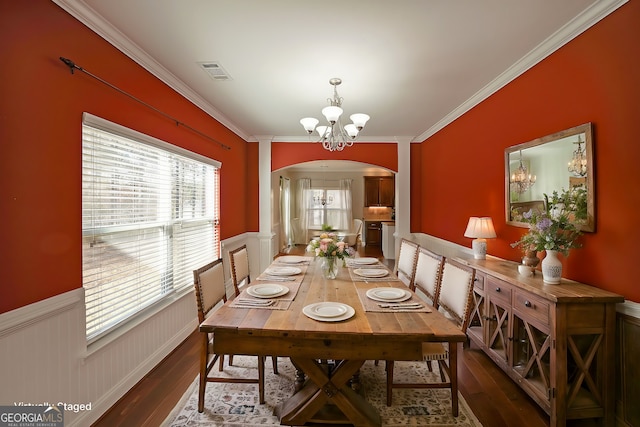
480 229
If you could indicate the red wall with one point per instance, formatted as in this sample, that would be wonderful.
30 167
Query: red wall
381 154
594 78
41 106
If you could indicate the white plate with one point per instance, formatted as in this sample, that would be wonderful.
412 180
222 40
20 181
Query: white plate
282 271
291 259
319 310
329 309
364 261
267 290
388 294
371 272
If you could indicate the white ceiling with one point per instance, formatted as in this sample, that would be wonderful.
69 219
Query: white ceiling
412 65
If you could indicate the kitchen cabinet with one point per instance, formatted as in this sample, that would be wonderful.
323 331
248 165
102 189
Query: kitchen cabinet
379 191
557 342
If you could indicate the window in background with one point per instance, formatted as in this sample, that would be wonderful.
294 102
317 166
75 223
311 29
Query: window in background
327 206
150 213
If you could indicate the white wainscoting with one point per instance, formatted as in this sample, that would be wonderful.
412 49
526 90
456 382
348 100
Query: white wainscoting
44 356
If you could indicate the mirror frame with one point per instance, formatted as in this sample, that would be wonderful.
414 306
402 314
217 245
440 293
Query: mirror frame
587 130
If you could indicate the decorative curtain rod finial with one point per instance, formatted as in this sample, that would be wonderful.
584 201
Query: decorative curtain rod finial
72 65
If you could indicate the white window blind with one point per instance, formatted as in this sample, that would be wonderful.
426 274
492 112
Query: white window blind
149 218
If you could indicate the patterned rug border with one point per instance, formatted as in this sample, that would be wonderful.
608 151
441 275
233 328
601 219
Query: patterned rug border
414 414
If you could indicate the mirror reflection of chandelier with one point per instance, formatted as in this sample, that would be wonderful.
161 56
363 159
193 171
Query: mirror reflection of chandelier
319 198
335 137
521 180
578 163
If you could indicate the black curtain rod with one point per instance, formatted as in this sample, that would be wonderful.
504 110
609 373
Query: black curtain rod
72 66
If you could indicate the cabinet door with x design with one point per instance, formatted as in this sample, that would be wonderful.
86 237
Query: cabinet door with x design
498 320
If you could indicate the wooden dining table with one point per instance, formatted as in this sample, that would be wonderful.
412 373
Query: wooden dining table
331 395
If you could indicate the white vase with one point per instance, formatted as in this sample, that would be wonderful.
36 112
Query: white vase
551 268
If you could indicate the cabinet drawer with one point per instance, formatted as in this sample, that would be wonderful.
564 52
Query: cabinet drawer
479 281
498 289
531 306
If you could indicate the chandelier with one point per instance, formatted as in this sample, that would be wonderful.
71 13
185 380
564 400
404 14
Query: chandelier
521 180
319 198
578 163
335 137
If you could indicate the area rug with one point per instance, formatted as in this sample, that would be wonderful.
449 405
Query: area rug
228 404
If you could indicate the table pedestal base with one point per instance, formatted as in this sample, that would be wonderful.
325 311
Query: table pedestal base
327 397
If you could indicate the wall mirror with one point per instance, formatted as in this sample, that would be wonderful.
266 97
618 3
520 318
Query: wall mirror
559 162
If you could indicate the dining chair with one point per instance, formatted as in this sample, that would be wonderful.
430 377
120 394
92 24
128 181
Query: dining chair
239 266
426 281
455 302
211 292
357 229
405 266
239 263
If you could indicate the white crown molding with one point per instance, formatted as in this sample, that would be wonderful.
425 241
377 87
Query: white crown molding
364 139
589 17
85 14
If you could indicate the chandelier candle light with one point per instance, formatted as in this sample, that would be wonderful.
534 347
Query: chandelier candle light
480 229
335 137
578 163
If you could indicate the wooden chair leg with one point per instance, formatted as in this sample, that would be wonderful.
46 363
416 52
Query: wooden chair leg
261 360
274 360
204 357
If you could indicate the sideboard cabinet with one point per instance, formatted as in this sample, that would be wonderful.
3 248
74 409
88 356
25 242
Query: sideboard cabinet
556 341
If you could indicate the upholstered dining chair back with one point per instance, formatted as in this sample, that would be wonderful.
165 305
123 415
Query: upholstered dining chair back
456 292
426 282
210 291
406 262
454 300
239 265
210 288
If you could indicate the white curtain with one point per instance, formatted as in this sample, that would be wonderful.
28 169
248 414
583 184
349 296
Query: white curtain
347 202
302 194
285 212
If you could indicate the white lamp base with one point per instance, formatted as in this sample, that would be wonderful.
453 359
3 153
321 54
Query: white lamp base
479 247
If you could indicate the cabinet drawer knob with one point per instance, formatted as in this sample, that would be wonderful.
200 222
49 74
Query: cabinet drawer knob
527 304
498 289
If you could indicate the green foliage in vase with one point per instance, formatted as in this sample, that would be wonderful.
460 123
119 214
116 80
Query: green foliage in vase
554 228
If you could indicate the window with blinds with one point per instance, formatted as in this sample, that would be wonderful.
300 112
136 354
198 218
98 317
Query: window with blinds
150 215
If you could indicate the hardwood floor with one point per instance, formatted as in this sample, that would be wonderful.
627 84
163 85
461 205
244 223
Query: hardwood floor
493 397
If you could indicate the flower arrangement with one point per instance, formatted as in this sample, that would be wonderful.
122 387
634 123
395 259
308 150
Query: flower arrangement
553 228
328 246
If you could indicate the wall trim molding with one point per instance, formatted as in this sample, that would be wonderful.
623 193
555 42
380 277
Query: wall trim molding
629 308
39 311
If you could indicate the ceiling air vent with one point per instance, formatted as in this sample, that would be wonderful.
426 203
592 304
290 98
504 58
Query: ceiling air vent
215 71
